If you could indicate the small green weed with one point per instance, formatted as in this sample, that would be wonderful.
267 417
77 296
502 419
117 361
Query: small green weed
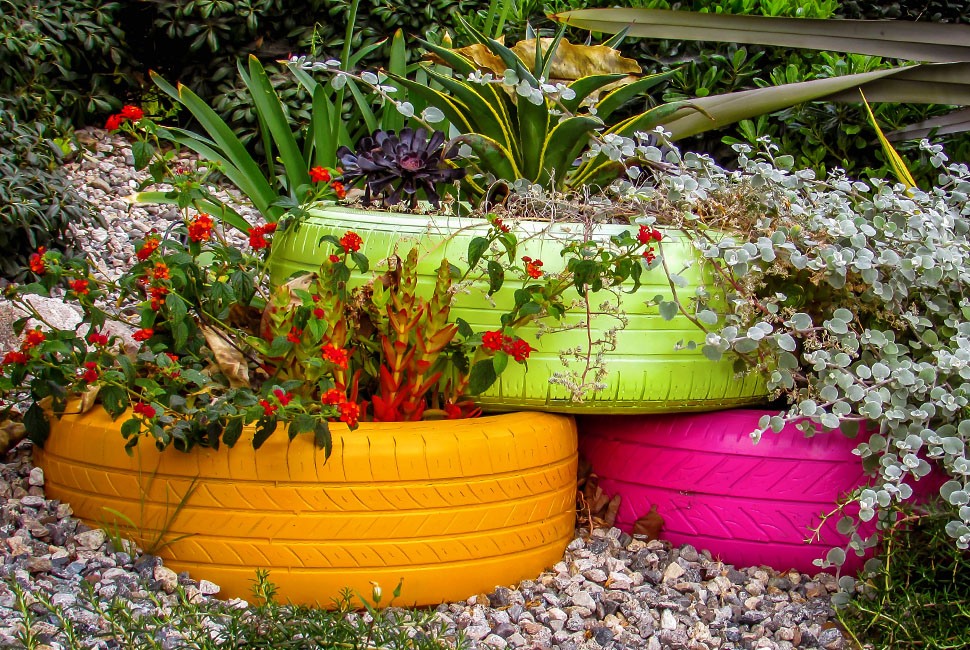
920 596
184 620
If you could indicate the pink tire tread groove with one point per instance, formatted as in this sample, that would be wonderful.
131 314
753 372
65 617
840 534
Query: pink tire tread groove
748 504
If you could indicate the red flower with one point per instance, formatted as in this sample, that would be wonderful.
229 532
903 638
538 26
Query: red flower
532 267
152 240
649 255
140 408
284 397
647 235
143 334
132 113
500 225
80 287
334 258
257 235
339 190
319 313
97 338
200 228
349 413
319 175
37 264
15 356
336 356
351 242
114 122
269 408
333 396
90 373
33 338
518 349
493 340
295 335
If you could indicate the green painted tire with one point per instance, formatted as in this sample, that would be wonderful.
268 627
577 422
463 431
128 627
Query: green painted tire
648 372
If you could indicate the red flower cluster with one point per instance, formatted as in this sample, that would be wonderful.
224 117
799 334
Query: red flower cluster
339 190
349 413
336 356
90 373
97 338
140 408
295 335
284 397
319 175
500 225
152 241
129 112
334 258
351 242
15 356
34 338
200 228
36 261
647 235
269 409
143 334
80 287
533 267
157 295
517 347
257 235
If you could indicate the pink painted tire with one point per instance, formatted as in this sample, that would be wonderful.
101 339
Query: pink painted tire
748 504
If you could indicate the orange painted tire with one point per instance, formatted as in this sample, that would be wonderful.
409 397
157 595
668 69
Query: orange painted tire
452 507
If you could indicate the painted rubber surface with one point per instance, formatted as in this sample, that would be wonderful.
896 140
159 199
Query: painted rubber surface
647 373
748 504
455 508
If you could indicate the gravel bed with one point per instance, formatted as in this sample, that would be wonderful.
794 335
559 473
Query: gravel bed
610 590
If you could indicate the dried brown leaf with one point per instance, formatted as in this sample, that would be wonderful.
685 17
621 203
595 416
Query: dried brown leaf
11 433
650 524
570 62
231 361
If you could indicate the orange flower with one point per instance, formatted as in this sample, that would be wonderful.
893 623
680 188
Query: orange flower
200 228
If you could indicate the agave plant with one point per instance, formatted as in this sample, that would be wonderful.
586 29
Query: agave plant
521 125
393 165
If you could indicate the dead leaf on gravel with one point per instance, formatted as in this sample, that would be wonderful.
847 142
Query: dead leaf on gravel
11 433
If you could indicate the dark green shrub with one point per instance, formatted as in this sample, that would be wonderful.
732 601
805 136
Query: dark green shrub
62 61
37 202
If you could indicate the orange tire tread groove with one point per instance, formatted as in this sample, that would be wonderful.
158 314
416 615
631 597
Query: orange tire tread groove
455 508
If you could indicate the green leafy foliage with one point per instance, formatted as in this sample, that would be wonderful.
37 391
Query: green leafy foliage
37 202
62 61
